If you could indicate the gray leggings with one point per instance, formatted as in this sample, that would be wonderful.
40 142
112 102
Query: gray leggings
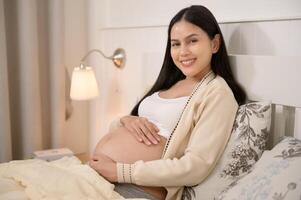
131 191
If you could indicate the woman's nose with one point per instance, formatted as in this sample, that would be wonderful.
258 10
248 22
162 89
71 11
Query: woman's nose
184 50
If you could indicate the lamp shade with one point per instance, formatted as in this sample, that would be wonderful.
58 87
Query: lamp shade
83 84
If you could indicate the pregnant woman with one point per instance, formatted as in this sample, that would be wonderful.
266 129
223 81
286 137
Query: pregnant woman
177 132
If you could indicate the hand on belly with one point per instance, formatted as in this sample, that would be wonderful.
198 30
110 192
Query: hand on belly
121 146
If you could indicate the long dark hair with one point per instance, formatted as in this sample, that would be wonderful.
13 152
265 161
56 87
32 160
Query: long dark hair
220 65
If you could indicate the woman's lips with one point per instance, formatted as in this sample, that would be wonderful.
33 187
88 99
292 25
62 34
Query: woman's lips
188 62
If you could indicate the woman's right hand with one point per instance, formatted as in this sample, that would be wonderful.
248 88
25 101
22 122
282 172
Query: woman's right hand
142 129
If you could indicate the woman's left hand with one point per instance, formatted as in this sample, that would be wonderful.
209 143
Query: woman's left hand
105 166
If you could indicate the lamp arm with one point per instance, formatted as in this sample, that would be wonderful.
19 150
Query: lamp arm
95 50
118 57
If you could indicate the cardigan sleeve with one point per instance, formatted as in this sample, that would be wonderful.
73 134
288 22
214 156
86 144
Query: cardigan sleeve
208 140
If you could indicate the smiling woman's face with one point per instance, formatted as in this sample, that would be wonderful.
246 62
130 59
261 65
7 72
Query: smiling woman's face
191 49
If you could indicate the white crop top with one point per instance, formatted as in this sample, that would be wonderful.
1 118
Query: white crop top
164 113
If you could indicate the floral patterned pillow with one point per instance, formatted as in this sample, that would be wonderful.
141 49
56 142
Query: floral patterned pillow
245 147
275 176
249 138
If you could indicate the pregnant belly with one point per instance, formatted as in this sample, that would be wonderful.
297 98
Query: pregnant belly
121 146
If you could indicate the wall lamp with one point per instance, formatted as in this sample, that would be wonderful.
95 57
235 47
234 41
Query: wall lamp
83 81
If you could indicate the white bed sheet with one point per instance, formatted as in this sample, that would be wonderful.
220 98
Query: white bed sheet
62 179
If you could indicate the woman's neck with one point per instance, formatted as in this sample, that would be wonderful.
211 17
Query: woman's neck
198 77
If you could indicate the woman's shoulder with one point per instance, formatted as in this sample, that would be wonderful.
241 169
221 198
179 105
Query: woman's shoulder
219 88
218 83
215 85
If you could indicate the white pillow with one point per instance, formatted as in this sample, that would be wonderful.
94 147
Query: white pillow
275 176
245 146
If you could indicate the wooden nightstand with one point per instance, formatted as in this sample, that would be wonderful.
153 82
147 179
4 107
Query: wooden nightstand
84 157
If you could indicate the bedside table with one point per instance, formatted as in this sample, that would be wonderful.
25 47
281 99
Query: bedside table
84 157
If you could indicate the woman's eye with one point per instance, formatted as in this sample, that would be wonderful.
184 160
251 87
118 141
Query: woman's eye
193 40
175 44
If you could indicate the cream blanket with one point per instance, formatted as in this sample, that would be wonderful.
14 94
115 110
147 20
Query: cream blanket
64 179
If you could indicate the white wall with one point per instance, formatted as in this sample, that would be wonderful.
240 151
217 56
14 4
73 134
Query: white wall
137 13
140 27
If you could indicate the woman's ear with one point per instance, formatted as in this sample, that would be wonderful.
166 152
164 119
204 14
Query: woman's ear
215 43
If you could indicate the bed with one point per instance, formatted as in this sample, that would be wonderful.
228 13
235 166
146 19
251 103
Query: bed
66 178
262 159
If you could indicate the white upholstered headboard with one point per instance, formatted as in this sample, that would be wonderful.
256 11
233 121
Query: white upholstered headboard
276 79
